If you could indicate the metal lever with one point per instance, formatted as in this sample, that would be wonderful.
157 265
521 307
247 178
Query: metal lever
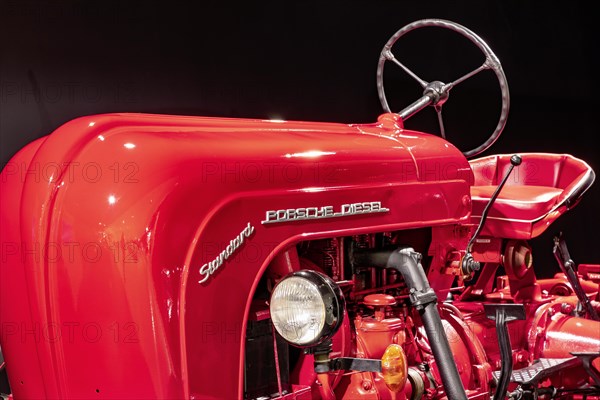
469 264
502 314
586 359
567 266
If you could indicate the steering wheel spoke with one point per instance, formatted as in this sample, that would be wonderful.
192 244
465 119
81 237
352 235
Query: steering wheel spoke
463 78
390 57
438 110
435 92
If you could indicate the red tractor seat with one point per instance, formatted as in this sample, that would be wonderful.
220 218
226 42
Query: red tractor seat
538 191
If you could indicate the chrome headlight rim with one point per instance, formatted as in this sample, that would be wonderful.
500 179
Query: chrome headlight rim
333 301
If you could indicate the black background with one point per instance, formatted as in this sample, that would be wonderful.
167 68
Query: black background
312 61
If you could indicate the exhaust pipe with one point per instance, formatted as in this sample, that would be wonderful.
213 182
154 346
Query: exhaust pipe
423 298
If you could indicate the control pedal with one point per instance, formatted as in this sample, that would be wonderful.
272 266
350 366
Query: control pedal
540 369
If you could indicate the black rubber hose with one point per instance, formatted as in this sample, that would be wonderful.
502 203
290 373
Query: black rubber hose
408 263
506 354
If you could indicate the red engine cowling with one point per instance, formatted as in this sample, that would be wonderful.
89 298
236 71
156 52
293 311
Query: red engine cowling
143 239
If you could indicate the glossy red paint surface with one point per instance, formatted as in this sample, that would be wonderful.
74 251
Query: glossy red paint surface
133 246
536 194
111 217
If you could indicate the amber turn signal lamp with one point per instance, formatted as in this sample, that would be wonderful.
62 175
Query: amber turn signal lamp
394 368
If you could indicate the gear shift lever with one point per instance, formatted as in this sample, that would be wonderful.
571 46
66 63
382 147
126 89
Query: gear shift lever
469 265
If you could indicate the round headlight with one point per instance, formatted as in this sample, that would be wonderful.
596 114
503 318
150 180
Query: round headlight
307 308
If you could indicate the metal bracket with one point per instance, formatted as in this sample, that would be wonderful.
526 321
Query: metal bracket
356 364
347 364
420 298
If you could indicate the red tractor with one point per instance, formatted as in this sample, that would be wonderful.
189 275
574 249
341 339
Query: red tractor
157 256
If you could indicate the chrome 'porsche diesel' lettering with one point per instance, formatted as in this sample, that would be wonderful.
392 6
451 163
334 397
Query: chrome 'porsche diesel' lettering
304 213
210 268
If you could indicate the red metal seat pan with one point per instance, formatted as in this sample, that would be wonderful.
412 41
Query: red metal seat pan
541 189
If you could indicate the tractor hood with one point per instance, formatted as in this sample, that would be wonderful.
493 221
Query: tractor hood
148 227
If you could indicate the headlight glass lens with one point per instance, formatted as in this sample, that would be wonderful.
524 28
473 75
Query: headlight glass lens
298 310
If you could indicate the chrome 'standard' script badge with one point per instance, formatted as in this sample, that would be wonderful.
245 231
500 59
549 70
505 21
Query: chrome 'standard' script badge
211 267
306 213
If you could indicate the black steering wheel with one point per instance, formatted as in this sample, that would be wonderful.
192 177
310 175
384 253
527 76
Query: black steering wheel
435 93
